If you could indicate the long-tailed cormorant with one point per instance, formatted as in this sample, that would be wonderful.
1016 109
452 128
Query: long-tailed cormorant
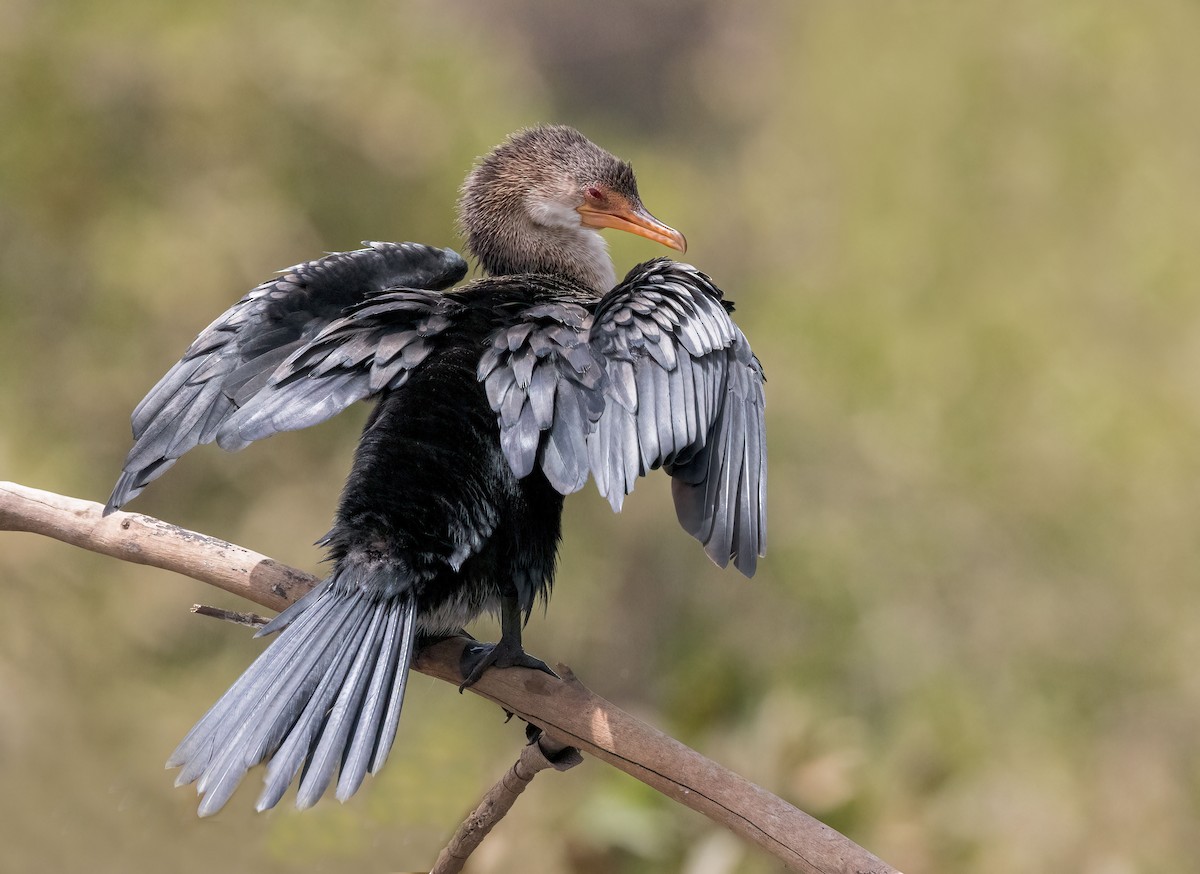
493 401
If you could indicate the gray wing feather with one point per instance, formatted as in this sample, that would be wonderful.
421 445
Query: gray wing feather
720 492
370 348
658 375
698 410
540 376
234 357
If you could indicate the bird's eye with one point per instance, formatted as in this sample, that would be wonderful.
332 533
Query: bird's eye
594 193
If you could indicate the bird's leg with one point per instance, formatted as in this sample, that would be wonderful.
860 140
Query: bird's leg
507 653
425 639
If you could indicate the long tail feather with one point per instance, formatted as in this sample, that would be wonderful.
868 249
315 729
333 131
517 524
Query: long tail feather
326 694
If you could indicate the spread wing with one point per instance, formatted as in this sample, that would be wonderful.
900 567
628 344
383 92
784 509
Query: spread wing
373 346
232 360
659 376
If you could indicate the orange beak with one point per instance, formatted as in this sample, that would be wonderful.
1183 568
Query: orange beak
624 216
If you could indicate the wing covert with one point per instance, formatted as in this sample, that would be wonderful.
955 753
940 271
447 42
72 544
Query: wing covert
373 346
656 375
541 375
232 359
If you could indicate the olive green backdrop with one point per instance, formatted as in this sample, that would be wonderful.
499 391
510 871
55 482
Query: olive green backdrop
963 240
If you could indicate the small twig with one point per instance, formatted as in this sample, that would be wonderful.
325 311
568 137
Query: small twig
251 619
537 756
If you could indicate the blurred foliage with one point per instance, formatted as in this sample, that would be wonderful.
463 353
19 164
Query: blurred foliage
963 238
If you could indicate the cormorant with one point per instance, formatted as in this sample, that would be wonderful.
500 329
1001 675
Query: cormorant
494 400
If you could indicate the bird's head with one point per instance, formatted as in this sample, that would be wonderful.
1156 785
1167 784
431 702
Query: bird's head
536 203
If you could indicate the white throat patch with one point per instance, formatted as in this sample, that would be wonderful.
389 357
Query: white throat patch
585 245
593 252
552 213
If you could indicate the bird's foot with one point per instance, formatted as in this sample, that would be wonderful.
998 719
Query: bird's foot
478 657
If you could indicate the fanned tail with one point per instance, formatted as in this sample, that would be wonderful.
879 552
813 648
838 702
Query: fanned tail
326 694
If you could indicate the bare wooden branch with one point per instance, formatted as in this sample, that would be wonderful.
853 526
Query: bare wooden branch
544 753
564 708
146 540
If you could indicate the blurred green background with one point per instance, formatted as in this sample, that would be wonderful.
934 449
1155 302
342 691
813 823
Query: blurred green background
963 238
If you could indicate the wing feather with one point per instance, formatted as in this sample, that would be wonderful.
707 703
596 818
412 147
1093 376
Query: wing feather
339 366
698 409
239 356
655 375
541 378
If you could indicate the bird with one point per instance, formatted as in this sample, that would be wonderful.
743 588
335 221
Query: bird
493 401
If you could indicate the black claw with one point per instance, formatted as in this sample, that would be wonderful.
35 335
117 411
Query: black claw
478 657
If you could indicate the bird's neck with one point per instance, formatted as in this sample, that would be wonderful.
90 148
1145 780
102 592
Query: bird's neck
583 256
544 245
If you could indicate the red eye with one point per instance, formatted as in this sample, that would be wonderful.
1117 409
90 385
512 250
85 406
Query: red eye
594 193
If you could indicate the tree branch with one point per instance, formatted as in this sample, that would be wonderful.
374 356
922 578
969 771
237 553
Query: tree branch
539 755
566 710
